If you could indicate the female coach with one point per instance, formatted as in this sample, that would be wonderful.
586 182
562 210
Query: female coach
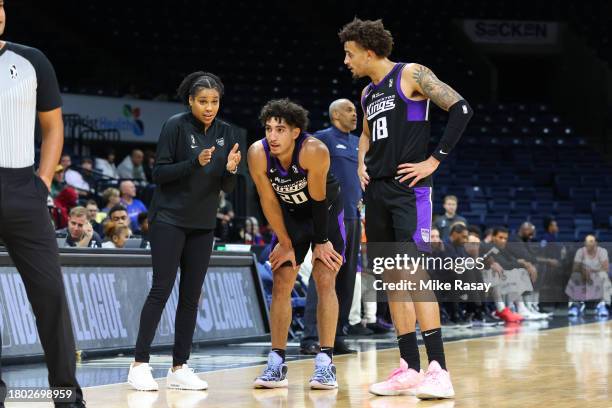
193 163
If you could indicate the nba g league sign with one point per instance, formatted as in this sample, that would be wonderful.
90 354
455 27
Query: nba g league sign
105 305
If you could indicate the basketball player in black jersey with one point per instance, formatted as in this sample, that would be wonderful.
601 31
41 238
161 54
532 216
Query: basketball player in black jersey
300 199
395 171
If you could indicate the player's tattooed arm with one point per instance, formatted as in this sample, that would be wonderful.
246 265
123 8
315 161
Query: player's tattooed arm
428 84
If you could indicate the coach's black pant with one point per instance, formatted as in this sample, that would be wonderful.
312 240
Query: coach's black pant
171 247
345 285
26 229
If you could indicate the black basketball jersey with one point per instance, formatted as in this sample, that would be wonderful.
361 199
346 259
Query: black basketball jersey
291 185
399 127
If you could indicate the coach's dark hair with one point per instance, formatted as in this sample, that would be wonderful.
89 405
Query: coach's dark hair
295 115
498 230
370 34
196 81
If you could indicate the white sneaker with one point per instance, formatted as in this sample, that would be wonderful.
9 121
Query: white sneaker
140 378
527 314
535 309
185 379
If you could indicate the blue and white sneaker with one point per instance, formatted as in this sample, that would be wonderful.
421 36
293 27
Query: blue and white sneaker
575 310
602 310
274 375
324 377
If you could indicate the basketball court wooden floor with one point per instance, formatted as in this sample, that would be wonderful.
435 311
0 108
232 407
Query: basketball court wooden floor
563 367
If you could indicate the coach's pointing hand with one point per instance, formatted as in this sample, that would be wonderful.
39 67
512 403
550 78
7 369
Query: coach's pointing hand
205 156
233 159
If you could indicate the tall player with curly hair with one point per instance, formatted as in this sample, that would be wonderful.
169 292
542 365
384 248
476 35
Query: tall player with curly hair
395 172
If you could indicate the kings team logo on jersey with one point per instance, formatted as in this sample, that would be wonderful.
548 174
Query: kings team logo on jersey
377 107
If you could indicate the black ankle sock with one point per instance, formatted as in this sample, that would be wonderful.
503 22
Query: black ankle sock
280 352
329 351
434 346
409 350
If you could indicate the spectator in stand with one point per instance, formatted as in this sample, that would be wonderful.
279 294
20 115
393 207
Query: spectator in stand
551 230
450 216
526 251
111 197
143 223
119 215
80 232
510 275
437 246
64 202
149 163
250 234
131 167
106 165
87 171
73 177
58 182
116 235
458 237
488 236
474 231
225 215
589 280
133 205
92 216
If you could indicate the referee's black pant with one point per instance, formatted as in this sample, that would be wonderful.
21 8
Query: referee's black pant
345 286
27 232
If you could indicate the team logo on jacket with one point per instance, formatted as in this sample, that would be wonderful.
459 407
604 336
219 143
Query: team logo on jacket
13 71
425 234
221 142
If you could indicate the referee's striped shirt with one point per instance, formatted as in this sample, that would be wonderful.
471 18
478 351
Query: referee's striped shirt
27 84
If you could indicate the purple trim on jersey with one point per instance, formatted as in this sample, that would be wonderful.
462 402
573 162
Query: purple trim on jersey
343 233
365 94
375 86
266 146
296 152
415 110
398 84
422 232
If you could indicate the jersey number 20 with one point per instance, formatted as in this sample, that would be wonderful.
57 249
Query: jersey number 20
297 198
379 130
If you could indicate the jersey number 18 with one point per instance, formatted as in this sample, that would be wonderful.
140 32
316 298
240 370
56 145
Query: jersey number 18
379 130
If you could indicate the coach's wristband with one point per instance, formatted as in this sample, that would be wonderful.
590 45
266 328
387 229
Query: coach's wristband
320 215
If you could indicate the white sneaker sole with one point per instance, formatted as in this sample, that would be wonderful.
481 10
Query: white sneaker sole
315 385
176 386
393 393
271 384
429 395
152 388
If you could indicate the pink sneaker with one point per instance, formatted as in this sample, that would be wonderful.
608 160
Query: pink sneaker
402 381
437 383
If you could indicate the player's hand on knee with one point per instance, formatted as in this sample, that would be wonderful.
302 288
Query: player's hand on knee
281 254
364 178
328 255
